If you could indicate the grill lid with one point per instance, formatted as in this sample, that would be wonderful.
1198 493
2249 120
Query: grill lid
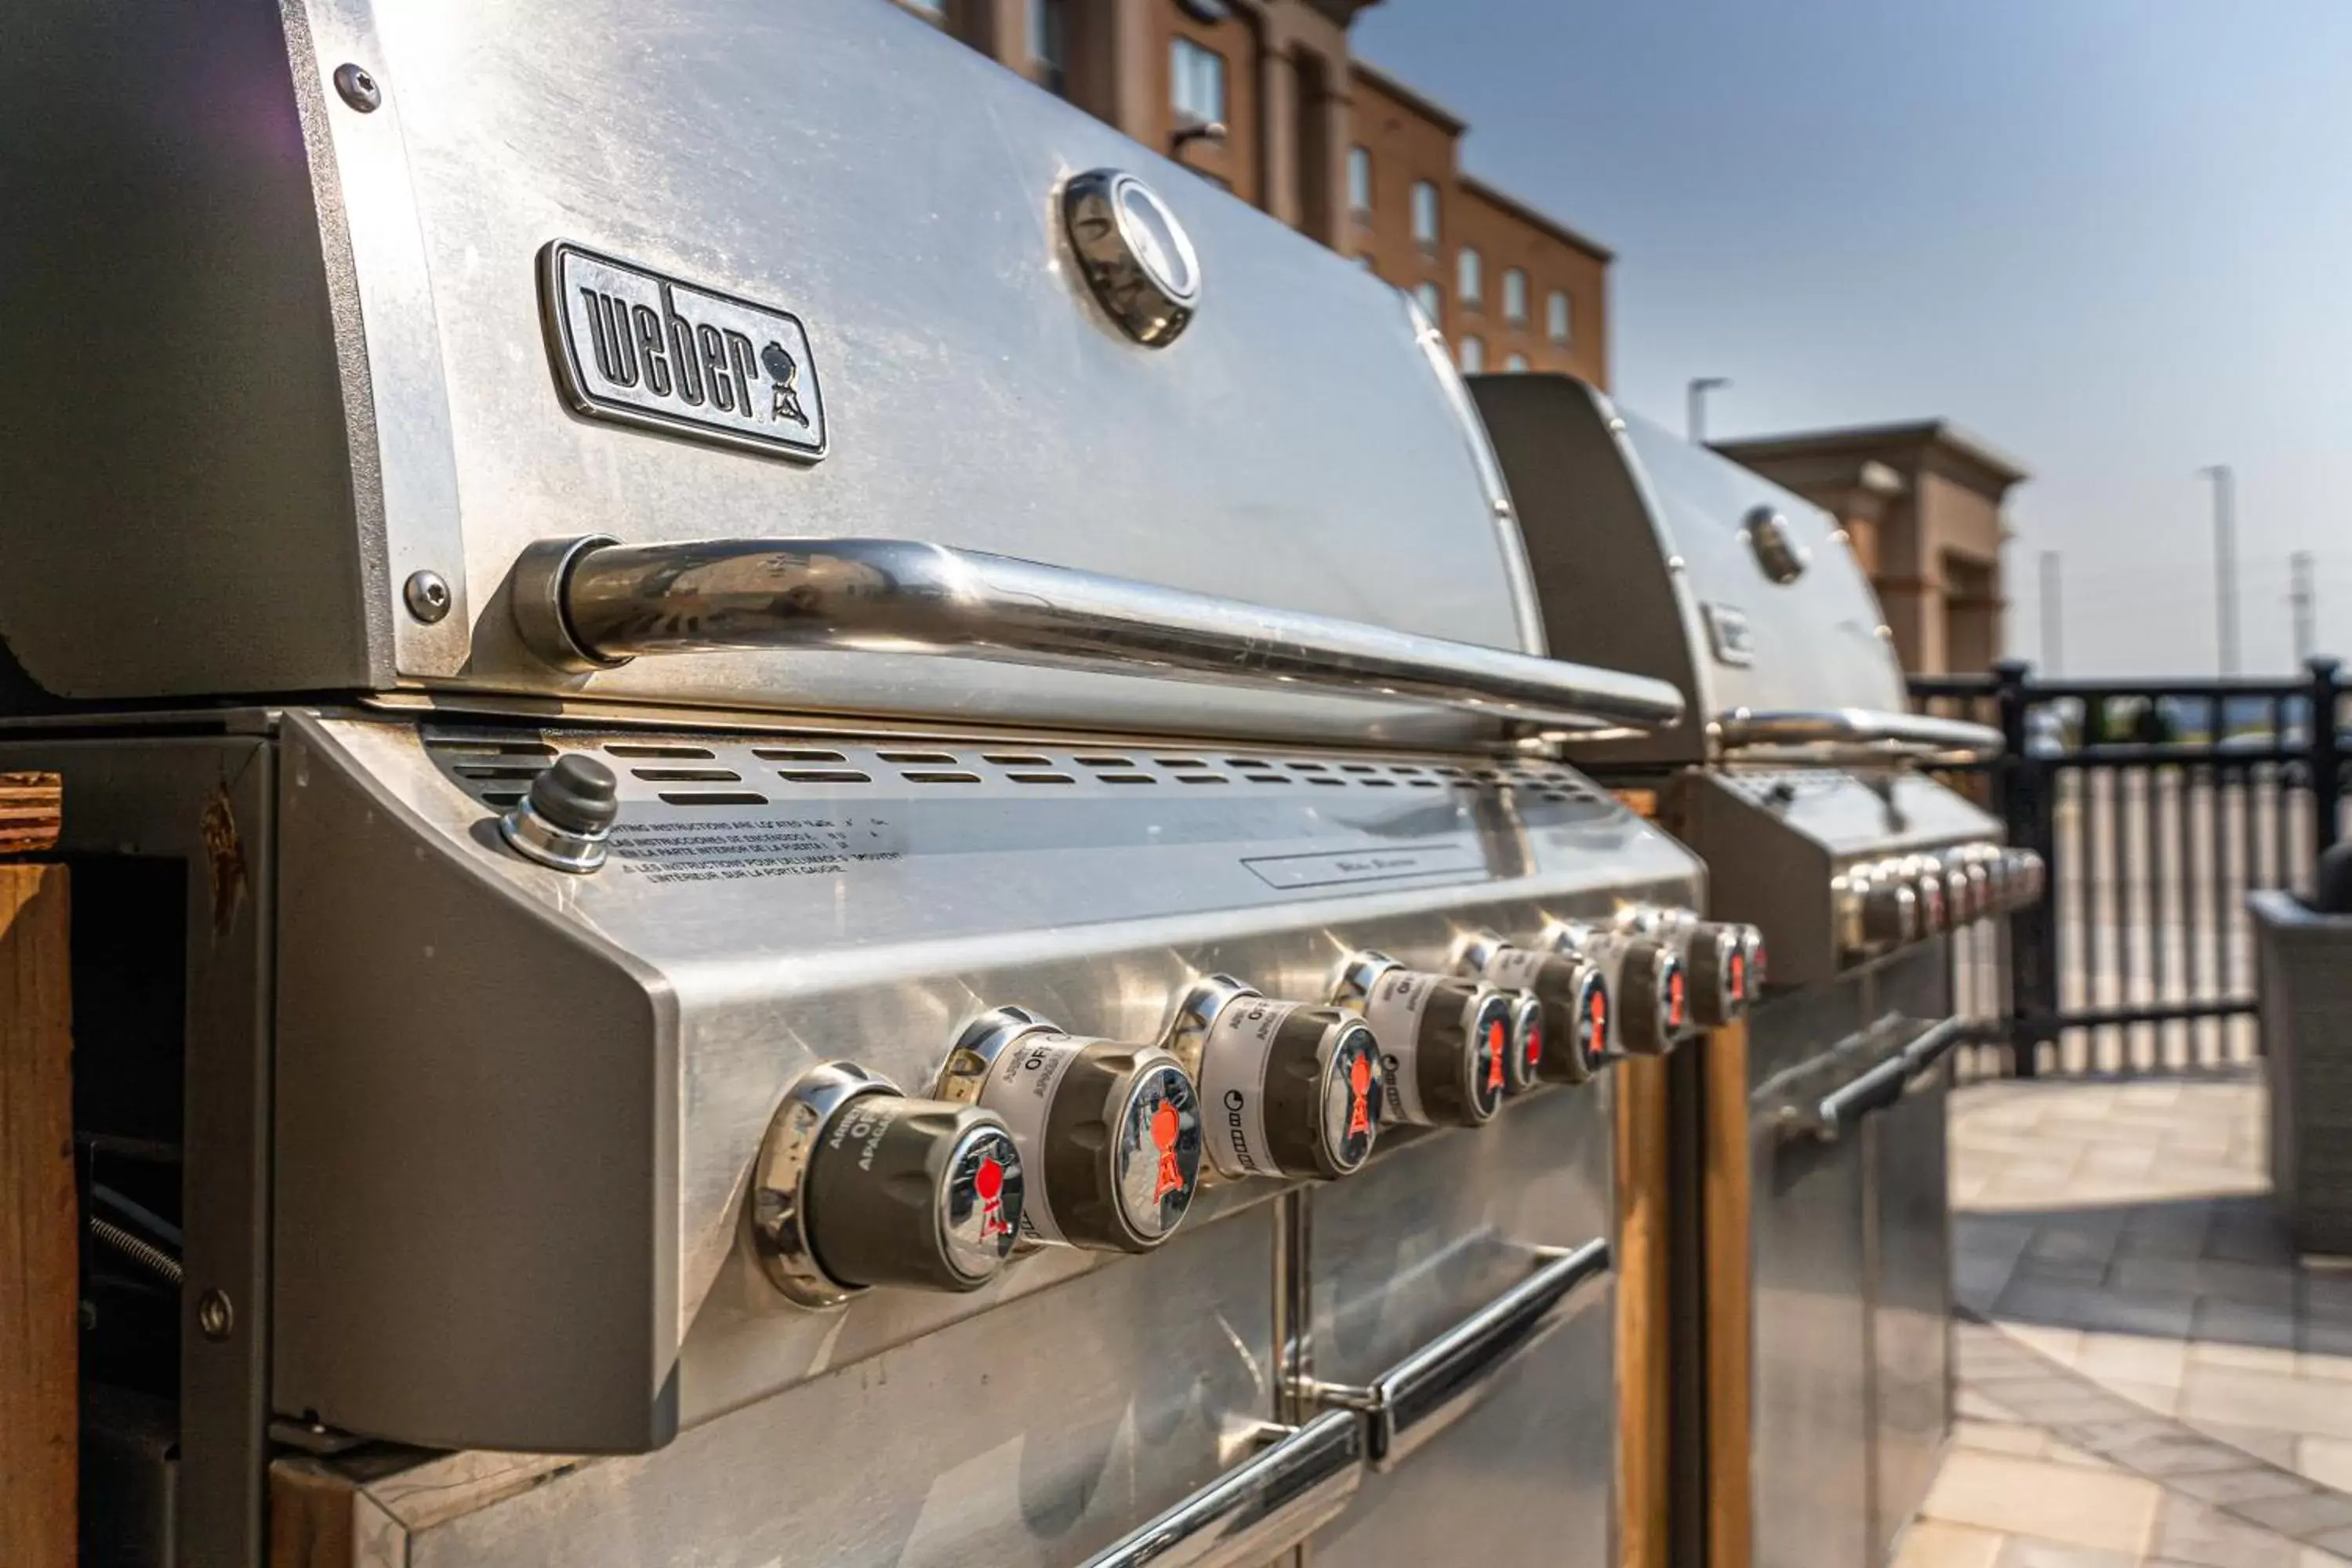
1654 555
703 269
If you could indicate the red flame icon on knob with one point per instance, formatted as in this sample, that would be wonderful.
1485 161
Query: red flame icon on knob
1164 1126
1497 1047
1738 978
1674 999
989 1182
1596 1011
1360 1089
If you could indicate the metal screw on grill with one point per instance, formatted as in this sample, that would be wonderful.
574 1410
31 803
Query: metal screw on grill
358 89
214 1315
427 597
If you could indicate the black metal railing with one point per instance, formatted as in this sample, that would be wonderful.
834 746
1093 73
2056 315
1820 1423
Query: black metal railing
2158 806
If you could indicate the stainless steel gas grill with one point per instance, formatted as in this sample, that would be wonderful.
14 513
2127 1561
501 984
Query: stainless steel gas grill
1792 773
770 924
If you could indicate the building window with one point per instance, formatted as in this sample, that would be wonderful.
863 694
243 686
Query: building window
1468 285
1431 297
1515 296
1559 325
1359 182
1048 51
1515 362
1473 356
1425 215
1196 83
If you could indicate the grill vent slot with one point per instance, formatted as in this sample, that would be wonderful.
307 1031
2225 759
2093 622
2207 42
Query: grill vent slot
688 775
1043 778
918 756
822 776
779 754
637 749
492 748
1015 760
1105 762
932 775
711 797
491 770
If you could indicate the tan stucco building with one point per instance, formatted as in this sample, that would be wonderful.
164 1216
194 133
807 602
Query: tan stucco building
1324 142
1922 504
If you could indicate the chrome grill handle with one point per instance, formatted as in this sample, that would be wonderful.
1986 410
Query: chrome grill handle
1855 735
1447 1378
1259 1509
593 603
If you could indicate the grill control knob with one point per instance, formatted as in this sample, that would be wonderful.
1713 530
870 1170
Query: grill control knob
1523 1063
1759 962
1288 1089
1566 1032
1445 1042
1110 1133
2034 873
1981 882
1959 893
1717 957
2000 878
1926 875
1653 997
859 1185
567 816
1890 912
2021 876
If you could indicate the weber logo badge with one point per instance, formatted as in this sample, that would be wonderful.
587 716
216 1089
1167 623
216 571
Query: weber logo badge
634 346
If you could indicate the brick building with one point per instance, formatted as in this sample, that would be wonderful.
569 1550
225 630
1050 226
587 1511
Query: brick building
1324 142
1921 501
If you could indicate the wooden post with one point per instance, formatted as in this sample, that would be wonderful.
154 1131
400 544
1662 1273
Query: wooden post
29 812
1725 1194
1644 1328
39 1245
1645 1302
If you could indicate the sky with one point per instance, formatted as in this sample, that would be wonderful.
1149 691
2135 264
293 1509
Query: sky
2112 238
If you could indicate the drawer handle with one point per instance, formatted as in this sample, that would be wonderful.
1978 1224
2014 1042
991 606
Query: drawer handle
1448 1377
1882 1086
1300 1481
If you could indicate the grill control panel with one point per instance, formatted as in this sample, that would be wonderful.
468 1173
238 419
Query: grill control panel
1890 903
1035 1137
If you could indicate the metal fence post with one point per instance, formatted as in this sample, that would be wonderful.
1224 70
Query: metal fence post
2327 759
2023 793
